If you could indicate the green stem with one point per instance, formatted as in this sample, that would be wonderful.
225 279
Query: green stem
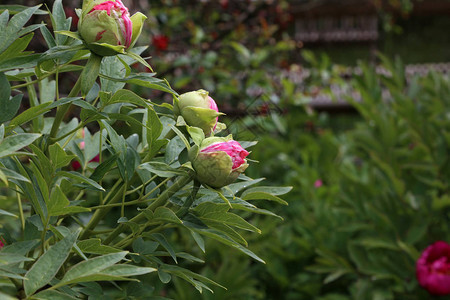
101 213
188 203
22 217
63 109
161 200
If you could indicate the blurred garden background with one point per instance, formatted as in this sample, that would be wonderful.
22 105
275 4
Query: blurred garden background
350 103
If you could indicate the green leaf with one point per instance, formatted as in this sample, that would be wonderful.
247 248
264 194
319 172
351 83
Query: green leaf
9 106
208 211
59 204
262 196
273 190
52 295
36 111
90 267
166 214
223 238
234 188
6 213
145 80
104 167
79 177
199 240
58 156
163 242
139 59
94 246
127 270
196 134
17 48
15 9
127 96
13 30
161 169
46 267
20 248
16 142
71 34
178 270
144 247
13 175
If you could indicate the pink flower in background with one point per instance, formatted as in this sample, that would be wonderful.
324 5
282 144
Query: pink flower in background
318 183
232 148
1 243
433 269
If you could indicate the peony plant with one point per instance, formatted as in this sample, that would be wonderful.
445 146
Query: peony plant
141 210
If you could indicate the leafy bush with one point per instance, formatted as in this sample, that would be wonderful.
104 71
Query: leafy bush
367 200
110 194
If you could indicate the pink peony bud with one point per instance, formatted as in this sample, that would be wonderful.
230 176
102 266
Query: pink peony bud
198 109
106 24
433 269
219 161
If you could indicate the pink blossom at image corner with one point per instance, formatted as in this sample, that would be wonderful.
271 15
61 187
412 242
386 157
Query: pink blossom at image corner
433 269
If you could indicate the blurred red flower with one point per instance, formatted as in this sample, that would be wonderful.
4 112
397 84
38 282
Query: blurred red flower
161 42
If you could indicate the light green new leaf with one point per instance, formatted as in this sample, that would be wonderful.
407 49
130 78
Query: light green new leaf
46 267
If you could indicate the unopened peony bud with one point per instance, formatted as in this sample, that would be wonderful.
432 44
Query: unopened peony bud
198 109
219 161
433 269
107 28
